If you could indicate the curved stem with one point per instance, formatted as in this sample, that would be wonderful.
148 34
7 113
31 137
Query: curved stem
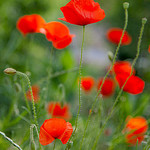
114 59
33 103
10 140
120 92
80 74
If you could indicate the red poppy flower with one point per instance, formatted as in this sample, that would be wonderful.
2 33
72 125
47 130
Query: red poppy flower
56 110
149 49
134 85
35 91
58 34
121 67
55 128
135 129
87 83
30 24
82 12
114 35
108 87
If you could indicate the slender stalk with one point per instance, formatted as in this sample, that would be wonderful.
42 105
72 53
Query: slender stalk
120 92
114 59
33 103
54 144
80 74
10 140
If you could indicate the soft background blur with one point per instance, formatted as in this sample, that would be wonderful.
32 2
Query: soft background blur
30 54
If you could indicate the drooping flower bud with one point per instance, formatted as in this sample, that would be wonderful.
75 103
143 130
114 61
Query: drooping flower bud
10 71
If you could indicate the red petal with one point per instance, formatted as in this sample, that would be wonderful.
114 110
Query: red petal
149 49
134 85
44 137
132 139
108 87
82 12
30 24
67 133
114 35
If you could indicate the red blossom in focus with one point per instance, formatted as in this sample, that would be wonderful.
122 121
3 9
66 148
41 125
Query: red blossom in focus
114 35
135 129
121 67
149 49
134 85
55 128
87 83
82 12
30 24
35 91
56 110
108 87
58 34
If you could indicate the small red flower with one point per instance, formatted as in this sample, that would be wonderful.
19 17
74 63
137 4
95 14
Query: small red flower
134 85
35 91
56 110
121 67
87 83
30 24
149 49
114 35
58 34
82 12
108 87
135 129
55 128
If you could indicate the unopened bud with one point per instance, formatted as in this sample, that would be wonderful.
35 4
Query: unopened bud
17 87
125 5
10 71
144 20
110 55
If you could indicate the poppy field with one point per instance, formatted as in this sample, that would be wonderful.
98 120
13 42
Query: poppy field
75 75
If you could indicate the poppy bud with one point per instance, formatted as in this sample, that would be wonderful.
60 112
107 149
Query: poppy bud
10 71
17 87
144 20
125 5
110 55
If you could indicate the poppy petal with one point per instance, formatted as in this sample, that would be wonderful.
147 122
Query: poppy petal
149 49
134 85
67 133
82 12
44 137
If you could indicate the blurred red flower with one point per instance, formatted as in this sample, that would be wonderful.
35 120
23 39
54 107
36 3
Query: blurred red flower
87 83
135 129
30 24
114 35
121 67
58 34
149 49
56 110
82 12
55 128
108 87
134 85
35 91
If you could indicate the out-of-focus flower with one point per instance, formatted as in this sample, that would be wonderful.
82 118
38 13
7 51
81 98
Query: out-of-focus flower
31 24
135 129
134 85
108 87
149 49
58 34
55 128
121 67
82 12
114 35
87 83
56 110
35 91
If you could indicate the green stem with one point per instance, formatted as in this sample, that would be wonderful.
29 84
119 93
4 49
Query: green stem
114 59
33 103
120 92
54 144
80 74
10 140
